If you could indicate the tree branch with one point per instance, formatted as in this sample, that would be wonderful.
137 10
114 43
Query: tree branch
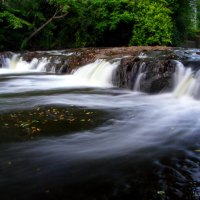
61 16
43 25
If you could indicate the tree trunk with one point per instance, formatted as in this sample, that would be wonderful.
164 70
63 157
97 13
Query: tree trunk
24 43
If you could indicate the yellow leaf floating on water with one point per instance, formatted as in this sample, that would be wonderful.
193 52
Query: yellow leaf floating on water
25 124
71 119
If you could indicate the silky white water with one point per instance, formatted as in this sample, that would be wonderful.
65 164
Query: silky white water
140 74
78 137
186 82
17 65
97 74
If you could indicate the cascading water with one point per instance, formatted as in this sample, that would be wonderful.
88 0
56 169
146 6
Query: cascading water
17 65
78 137
139 77
187 82
98 73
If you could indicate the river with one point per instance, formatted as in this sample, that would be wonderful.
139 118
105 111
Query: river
78 137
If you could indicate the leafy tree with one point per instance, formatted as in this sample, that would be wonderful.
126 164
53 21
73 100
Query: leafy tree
99 23
14 18
183 17
48 24
198 13
153 24
61 10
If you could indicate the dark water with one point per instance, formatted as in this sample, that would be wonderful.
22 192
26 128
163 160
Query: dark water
82 143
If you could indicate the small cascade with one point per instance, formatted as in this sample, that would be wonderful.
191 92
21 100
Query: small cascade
140 74
12 64
186 82
17 65
98 73
179 73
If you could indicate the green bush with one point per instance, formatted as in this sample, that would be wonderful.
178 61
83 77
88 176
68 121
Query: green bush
153 24
91 23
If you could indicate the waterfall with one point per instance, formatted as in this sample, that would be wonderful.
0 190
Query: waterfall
186 82
179 73
17 65
99 73
140 74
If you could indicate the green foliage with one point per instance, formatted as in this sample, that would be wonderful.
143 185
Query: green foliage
13 21
184 22
153 24
18 17
62 4
95 23
198 14
100 23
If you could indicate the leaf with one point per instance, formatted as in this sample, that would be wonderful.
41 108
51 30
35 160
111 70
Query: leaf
24 125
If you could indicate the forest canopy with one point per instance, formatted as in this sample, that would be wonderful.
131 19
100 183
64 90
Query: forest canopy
59 24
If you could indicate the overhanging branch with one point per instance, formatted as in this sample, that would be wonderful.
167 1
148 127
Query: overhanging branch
43 25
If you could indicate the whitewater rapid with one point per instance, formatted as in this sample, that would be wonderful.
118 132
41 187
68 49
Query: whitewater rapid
97 74
60 134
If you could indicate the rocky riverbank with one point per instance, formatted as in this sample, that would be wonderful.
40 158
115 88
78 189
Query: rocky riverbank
73 58
155 65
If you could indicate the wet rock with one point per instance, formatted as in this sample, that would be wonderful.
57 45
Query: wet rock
63 69
155 63
65 61
194 64
156 74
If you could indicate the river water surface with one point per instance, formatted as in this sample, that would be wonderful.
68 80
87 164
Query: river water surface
78 137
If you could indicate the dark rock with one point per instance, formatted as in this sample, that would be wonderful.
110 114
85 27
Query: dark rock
63 69
73 58
157 75
156 64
